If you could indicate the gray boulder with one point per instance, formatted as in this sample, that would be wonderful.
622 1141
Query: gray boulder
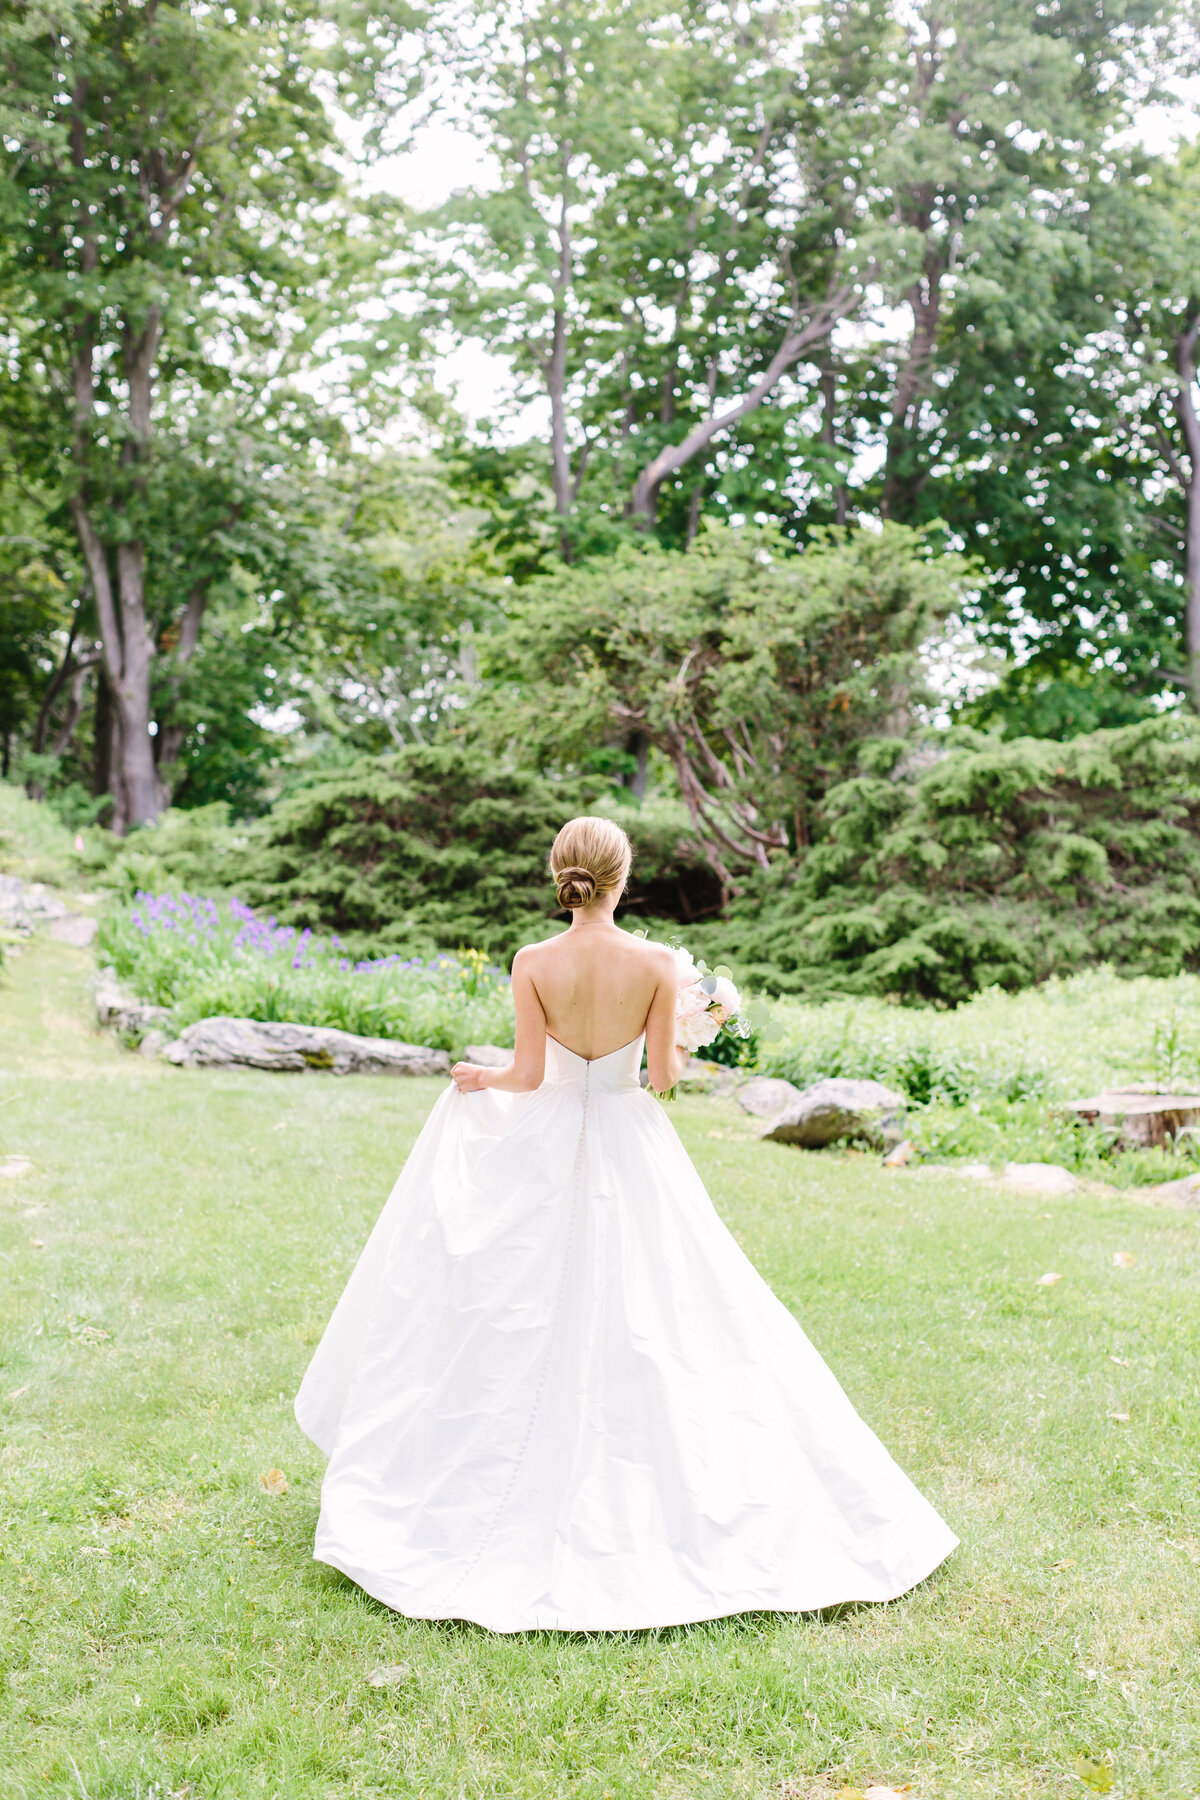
703 1077
1039 1178
262 1044
765 1096
836 1109
488 1056
123 1012
27 904
74 928
1184 1195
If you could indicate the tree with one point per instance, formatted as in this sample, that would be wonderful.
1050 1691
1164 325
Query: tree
669 239
755 671
735 252
1155 404
385 587
1015 406
162 177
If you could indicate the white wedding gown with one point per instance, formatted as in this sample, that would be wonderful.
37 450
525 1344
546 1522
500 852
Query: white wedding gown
555 1394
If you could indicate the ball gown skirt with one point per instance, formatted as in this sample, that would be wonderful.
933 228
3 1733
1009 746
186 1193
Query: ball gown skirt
555 1394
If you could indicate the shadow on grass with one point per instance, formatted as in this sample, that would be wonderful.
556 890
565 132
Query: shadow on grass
750 1627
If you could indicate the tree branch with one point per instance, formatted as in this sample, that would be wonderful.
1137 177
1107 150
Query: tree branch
797 340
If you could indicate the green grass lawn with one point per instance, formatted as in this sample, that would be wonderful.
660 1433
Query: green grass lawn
172 1257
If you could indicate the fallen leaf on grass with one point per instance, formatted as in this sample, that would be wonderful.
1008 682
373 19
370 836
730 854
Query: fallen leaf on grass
391 1675
1121 1418
1095 1772
82 1331
874 1792
1048 1280
273 1482
849 1793
1123 1259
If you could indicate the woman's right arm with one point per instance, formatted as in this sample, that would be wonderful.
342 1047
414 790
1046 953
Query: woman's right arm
665 1062
528 1066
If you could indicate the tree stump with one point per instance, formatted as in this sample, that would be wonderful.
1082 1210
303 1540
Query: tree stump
1141 1118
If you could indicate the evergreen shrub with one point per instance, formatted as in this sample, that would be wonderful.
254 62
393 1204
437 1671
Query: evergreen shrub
985 864
435 846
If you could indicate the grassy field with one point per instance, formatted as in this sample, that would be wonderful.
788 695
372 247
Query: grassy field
172 1256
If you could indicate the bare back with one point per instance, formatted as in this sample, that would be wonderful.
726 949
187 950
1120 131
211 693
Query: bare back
594 990
596 986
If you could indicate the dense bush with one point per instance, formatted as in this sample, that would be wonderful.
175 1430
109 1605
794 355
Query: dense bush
994 864
433 846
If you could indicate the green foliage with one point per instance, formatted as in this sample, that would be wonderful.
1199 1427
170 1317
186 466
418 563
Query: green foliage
201 958
996 863
446 1002
197 849
756 671
986 1081
34 843
440 845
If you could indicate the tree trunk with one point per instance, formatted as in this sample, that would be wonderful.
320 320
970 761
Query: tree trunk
54 688
903 478
841 498
638 746
133 780
103 730
1185 406
124 628
556 381
144 794
169 741
61 741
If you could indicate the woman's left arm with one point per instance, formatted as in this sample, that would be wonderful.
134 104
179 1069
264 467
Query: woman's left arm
528 1066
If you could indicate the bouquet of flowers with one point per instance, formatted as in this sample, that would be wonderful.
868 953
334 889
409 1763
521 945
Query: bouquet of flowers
706 1003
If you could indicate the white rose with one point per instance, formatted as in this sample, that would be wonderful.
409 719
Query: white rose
690 1000
726 996
700 1028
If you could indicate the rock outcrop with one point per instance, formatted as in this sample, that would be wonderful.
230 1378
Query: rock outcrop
24 905
838 1109
123 1012
74 928
264 1044
765 1096
1183 1195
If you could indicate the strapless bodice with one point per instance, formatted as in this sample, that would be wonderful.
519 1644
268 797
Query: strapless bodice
607 1074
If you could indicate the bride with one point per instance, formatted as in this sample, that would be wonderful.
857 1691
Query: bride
555 1394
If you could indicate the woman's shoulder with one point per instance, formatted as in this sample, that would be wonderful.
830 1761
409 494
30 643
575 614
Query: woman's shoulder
644 948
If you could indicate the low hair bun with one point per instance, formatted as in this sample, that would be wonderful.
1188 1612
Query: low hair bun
590 858
576 887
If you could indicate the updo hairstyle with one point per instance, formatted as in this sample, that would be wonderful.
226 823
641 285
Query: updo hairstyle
591 857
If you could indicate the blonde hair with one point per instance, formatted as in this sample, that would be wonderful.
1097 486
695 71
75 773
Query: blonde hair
590 857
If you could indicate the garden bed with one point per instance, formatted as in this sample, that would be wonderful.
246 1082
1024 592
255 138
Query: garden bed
199 958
